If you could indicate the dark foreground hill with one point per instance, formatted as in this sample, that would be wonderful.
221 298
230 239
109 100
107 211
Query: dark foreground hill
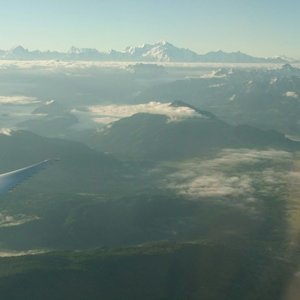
79 168
166 271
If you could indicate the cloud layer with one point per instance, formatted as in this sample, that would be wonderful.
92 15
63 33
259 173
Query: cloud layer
21 253
5 131
291 94
18 100
110 113
238 174
8 220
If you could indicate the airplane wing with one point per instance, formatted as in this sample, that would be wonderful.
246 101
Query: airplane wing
9 180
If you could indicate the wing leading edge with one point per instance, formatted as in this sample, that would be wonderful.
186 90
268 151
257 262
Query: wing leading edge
9 180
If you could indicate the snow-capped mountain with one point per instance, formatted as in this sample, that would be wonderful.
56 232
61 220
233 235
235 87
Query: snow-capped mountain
85 54
18 51
158 52
163 52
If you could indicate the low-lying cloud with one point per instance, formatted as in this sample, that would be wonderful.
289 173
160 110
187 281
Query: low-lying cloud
50 65
18 100
291 94
5 131
110 113
215 185
8 253
235 173
8 220
84 64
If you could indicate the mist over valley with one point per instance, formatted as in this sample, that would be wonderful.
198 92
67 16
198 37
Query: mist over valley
188 168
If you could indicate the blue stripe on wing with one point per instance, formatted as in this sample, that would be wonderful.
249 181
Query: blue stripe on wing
9 180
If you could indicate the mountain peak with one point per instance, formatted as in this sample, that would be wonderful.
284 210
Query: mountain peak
74 50
78 51
180 103
164 43
287 67
51 107
18 49
204 113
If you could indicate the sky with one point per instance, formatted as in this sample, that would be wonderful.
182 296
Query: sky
256 27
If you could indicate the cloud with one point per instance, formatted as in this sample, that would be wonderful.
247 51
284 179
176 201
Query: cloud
273 80
220 73
222 69
8 253
233 173
215 185
232 98
49 102
291 94
52 65
5 131
18 100
217 85
110 113
231 158
7 220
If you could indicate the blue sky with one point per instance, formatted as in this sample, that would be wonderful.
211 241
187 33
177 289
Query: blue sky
257 27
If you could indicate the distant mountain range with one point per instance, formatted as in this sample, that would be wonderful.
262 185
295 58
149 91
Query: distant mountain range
158 52
267 99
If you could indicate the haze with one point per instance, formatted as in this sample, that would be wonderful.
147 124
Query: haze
176 166
260 28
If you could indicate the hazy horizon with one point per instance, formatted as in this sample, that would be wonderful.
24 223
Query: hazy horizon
257 28
140 46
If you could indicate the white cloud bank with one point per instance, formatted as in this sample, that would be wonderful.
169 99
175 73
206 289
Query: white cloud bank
110 113
52 65
291 94
60 64
8 253
18 100
7 220
6 131
232 98
216 185
234 173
